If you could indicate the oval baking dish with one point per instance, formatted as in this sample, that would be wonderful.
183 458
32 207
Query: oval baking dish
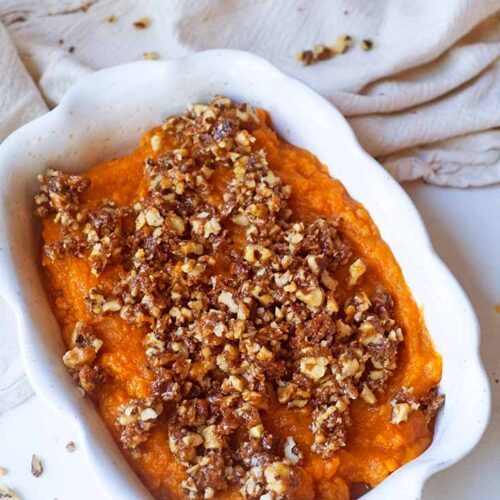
103 116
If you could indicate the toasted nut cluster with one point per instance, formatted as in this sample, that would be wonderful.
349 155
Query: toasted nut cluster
81 358
59 196
405 402
245 305
136 419
142 23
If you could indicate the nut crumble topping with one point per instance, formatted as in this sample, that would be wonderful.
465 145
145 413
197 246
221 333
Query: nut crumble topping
246 306
136 419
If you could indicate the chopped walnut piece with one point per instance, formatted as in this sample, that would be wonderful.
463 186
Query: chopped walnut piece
36 466
277 475
151 56
314 368
211 439
313 298
400 412
342 43
80 359
153 217
59 195
328 281
142 23
257 254
431 402
368 396
136 419
356 270
291 451
405 402
7 493
366 44
329 429
320 52
70 447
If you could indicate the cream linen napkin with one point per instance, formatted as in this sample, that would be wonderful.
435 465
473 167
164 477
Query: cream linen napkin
20 102
425 100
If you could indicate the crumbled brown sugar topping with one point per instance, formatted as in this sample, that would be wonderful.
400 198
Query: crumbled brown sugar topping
244 303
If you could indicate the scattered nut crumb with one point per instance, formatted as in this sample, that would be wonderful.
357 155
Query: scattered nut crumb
342 43
8 494
323 52
36 466
71 49
150 56
3 471
70 447
366 44
142 23
112 19
319 53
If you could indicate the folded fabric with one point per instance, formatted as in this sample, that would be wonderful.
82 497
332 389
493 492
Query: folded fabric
20 102
432 74
425 100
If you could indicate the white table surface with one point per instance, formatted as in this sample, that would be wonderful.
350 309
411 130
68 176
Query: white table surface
465 228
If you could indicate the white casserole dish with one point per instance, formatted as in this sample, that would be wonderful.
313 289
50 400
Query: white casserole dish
104 116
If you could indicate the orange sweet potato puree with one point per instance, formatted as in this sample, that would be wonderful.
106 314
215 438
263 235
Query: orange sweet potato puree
375 447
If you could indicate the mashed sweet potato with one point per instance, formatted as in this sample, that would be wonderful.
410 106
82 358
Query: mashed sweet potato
118 370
